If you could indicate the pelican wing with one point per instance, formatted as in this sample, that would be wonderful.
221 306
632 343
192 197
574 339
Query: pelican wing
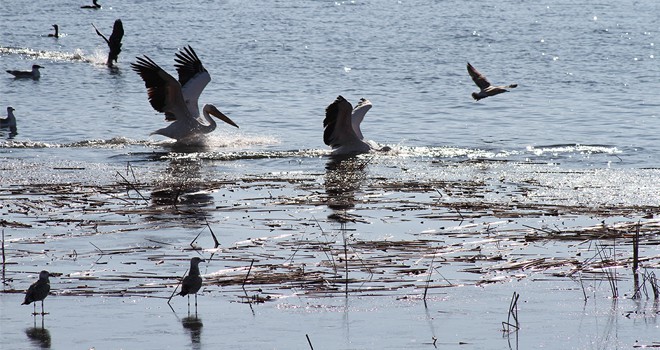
163 90
477 77
115 40
337 123
193 77
358 114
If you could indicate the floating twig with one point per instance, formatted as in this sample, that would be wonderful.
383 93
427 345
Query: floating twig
309 342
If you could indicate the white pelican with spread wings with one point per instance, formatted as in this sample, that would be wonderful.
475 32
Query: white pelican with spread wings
178 99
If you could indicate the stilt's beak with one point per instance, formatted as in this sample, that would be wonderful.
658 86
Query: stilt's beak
216 113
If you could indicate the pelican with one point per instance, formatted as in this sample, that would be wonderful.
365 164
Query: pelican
9 121
34 73
114 42
178 99
38 291
486 88
193 282
57 32
95 5
342 126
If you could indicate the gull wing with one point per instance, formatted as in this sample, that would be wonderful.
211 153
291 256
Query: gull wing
337 123
193 77
163 90
477 77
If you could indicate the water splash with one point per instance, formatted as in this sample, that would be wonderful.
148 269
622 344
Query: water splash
76 56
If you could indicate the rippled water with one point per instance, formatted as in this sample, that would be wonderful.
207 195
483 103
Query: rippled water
580 131
587 74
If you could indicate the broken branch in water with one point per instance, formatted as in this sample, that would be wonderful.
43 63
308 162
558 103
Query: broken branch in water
513 313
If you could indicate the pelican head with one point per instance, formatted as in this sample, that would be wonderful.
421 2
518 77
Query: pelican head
212 110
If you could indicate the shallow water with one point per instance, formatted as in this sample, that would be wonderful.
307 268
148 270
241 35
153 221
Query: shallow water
512 193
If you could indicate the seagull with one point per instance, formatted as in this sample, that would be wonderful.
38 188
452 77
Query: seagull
486 88
34 73
342 126
95 5
193 282
114 42
57 32
9 121
178 99
38 291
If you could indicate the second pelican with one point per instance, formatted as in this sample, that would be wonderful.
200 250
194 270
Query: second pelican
178 99
342 126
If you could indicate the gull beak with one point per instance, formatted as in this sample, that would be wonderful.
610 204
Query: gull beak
216 113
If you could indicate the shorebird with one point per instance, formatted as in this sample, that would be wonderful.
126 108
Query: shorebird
34 73
114 43
486 88
95 5
193 282
38 291
178 99
9 121
342 126
57 32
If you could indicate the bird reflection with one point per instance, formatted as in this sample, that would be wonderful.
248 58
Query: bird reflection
343 177
194 325
183 187
39 336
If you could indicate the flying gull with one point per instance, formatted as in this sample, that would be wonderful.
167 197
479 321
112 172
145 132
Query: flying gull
486 88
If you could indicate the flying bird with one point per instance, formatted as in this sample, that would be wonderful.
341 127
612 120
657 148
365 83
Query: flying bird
57 32
193 282
33 74
95 5
38 291
114 42
9 122
486 88
342 126
178 99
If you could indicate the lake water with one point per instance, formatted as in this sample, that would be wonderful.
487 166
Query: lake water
574 145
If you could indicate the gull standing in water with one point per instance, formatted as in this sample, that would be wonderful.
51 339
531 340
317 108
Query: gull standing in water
342 127
9 121
57 32
33 74
486 88
38 291
193 282
114 43
178 99
95 5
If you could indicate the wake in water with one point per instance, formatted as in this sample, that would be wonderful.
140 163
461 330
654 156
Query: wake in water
76 56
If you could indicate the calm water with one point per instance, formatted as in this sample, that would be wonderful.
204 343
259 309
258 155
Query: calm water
584 121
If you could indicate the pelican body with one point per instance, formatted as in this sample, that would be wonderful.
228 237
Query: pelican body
57 32
114 43
178 99
486 88
38 291
32 74
9 122
342 126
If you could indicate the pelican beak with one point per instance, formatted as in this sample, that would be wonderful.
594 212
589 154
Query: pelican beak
216 113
